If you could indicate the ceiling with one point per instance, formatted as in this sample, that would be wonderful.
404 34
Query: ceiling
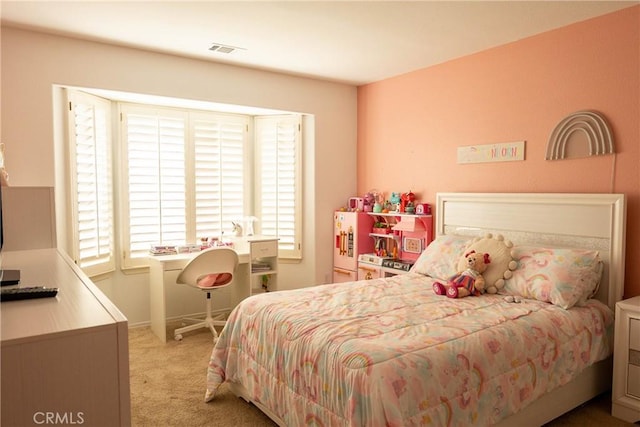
353 42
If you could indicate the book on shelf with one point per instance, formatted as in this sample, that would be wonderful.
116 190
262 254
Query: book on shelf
259 267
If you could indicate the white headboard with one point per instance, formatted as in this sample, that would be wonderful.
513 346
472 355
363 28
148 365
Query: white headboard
595 221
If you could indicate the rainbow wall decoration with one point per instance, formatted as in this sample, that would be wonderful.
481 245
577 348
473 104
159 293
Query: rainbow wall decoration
581 134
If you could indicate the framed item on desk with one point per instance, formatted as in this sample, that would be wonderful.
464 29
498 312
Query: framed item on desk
412 245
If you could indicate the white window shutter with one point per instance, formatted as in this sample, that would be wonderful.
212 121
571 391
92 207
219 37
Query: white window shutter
182 175
91 181
220 183
278 200
156 183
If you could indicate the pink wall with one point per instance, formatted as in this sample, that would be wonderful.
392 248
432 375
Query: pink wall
409 127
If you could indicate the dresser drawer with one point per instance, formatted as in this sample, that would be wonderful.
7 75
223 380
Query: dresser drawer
625 394
633 381
634 334
633 376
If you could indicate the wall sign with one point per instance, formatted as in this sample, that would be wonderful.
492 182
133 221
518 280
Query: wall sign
501 152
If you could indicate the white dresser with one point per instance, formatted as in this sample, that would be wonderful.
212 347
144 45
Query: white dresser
626 361
65 360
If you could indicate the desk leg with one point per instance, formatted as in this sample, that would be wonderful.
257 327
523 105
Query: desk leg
242 288
157 303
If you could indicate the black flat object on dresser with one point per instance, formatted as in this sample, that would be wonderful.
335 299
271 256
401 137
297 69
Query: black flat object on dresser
31 292
9 277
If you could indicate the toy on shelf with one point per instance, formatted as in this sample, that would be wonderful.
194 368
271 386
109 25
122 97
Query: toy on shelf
409 208
356 204
378 200
406 200
237 229
394 202
386 249
367 202
381 228
423 208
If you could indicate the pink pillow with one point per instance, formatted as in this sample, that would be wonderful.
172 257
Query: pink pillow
564 277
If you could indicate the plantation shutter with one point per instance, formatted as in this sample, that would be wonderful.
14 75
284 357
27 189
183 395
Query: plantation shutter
182 175
156 184
92 246
220 150
278 206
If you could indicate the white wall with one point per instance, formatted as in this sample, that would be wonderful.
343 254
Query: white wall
33 62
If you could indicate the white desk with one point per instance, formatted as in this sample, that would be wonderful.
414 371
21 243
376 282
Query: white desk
171 301
68 355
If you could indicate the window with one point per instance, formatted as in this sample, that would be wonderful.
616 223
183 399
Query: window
185 177
186 174
91 183
154 182
278 166
221 175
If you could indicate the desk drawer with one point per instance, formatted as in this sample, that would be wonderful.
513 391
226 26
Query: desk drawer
264 249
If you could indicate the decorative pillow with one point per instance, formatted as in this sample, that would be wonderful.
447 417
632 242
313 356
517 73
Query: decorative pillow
502 262
440 259
564 277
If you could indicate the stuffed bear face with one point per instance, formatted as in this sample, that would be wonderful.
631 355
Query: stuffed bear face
477 261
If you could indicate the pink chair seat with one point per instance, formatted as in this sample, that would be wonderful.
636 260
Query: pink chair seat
213 280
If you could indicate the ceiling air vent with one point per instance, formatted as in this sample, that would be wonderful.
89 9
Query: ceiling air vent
221 48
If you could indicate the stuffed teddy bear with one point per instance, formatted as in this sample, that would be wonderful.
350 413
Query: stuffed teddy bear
503 262
469 281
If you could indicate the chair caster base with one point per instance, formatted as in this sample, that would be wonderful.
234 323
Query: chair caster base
177 337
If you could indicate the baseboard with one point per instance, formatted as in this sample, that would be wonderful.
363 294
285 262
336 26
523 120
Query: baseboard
177 318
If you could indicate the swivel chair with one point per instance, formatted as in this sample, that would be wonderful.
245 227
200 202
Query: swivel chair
210 270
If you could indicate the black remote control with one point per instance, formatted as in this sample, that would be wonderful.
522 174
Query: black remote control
15 294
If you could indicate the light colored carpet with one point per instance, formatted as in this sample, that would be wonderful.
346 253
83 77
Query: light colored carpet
168 382
168 385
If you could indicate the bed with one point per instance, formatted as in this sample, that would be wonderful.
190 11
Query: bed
392 352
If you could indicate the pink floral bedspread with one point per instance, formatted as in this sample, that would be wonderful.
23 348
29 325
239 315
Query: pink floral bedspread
389 352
